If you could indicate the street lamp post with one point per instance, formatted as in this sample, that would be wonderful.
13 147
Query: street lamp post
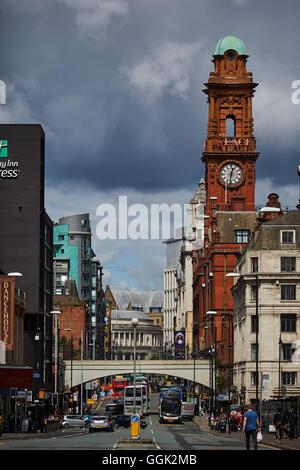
213 313
55 313
134 323
279 371
256 338
69 329
81 385
210 314
215 354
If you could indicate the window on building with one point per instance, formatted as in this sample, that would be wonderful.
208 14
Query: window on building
287 236
155 309
254 264
61 237
137 308
253 352
288 323
253 293
230 125
286 352
71 237
253 378
242 236
289 378
288 264
253 323
288 292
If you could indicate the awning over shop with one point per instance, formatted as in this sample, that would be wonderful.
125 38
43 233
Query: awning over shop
15 377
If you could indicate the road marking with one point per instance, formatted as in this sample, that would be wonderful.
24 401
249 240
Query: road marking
268 446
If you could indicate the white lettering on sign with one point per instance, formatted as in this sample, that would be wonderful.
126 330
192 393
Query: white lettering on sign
6 170
236 142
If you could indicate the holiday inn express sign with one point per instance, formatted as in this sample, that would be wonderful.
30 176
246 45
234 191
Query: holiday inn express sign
8 169
7 311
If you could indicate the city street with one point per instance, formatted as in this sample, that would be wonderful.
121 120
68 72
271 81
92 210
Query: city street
187 436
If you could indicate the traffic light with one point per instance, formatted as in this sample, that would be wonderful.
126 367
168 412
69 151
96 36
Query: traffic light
54 399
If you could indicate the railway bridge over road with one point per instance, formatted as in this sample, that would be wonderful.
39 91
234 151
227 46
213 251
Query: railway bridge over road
198 370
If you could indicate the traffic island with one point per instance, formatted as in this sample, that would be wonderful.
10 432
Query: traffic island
135 441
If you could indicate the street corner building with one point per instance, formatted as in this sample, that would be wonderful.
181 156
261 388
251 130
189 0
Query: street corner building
26 245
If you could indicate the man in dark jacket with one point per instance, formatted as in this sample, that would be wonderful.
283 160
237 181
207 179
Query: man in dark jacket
292 422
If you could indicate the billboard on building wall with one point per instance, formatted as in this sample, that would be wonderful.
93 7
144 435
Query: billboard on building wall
179 341
7 311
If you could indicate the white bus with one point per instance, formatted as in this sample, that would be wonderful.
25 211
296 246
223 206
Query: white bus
129 407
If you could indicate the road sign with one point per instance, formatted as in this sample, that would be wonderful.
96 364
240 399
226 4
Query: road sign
135 418
135 426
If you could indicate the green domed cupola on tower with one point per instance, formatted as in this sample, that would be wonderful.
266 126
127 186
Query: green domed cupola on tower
230 43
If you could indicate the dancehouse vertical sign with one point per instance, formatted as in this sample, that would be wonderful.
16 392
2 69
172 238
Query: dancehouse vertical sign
7 311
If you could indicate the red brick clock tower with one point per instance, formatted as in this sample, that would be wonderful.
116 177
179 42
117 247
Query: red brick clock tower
229 156
229 150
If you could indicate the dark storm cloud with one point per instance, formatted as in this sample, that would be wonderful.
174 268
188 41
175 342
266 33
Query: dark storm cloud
117 84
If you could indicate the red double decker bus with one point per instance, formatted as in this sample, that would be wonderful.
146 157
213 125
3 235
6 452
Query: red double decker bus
118 386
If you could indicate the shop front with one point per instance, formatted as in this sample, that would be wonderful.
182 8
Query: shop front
15 393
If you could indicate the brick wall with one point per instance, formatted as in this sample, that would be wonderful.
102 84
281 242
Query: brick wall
73 317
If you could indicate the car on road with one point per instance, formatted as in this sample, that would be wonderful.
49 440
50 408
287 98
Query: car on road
71 421
125 422
99 422
122 421
114 408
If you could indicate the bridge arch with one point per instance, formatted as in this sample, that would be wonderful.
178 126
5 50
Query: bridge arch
198 370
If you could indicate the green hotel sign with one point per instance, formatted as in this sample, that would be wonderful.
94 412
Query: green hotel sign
8 169
3 148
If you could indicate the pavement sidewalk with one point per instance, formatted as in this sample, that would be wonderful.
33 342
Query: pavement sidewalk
11 436
268 438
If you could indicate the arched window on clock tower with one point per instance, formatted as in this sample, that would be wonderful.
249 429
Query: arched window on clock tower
230 125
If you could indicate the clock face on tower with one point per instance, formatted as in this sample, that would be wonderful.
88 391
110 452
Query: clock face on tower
231 174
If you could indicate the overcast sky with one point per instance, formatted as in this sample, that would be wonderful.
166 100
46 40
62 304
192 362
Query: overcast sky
117 86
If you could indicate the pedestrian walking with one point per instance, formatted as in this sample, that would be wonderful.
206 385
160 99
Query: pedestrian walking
292 422
285 424
251 426
277 422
